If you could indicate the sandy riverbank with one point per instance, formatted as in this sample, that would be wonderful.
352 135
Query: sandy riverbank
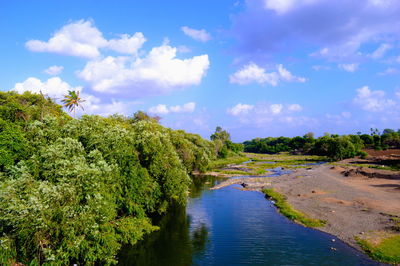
352 205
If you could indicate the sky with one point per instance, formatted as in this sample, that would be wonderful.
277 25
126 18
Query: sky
257 68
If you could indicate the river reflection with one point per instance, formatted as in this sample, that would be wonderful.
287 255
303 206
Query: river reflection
179 238
233 227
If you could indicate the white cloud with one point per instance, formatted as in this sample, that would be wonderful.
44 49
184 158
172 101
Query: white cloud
127 44
157 73
381 51
186 108
56 88
349 67
295 107
373 101
79 38
94 105
389 71
253 73
336 28
53 87
287 76
284 6
183 49
162 109
397 93
264 115
346 114
276 108
263 109
198 35
83 39
320 67
54 70
240 109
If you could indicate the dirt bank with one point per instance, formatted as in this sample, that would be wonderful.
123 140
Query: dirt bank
352 205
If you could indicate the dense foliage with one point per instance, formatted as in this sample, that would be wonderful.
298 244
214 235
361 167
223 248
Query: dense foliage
333 146
223 144
75 190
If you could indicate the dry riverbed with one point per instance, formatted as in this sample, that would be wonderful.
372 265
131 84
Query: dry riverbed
357 203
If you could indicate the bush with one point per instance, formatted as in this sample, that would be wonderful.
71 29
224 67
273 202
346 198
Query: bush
363 154
74 191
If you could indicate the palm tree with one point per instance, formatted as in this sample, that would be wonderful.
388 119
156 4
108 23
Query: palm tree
72 100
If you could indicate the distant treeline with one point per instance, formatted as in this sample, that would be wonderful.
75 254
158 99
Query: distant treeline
331 145
72 191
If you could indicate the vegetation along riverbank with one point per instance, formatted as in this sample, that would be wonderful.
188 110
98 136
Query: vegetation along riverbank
76 190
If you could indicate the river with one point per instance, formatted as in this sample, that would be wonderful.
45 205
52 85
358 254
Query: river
234 227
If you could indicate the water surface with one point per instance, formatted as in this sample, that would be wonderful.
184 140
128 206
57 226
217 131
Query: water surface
233 227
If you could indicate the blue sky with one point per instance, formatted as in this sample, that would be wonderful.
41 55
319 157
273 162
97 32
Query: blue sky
257 68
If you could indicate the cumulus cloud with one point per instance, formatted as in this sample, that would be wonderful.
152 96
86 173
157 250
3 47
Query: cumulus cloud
263 109
56 88
372 101
83 39
53 87
285 75
156 73
94 105
240 109
162 109
276 108
336 29
186 108
198 35
349 67
253 73
127 44
264 114
54 70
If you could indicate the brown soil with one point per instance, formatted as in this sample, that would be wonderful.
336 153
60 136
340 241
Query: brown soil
372 152
351 206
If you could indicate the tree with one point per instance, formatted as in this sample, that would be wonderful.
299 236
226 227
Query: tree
142 116
72 100
220 134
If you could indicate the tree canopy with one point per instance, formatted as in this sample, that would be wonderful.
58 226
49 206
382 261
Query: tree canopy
75 190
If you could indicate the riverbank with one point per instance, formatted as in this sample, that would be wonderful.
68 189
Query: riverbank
358 208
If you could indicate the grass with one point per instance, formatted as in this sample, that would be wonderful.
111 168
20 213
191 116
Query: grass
396 223
386 250
231 172
260 163
373 166
287 210
219 163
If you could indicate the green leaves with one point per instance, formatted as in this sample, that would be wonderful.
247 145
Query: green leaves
73 100
76 190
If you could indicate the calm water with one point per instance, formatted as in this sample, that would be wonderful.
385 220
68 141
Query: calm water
234 227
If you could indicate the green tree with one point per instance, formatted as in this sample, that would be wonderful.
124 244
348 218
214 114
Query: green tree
143 116
73 100
221 138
